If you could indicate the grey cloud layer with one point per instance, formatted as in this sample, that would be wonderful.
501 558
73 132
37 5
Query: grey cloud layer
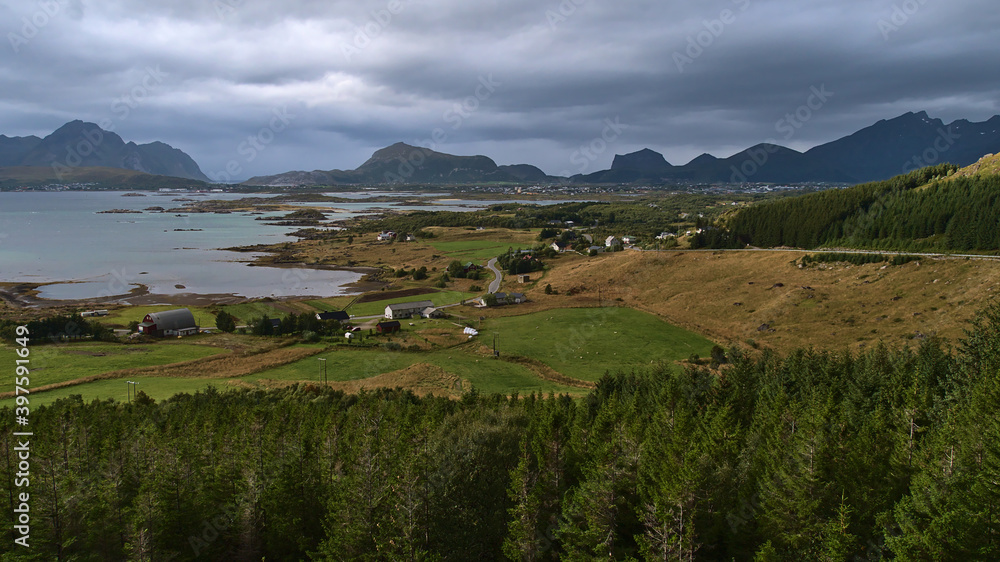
686 78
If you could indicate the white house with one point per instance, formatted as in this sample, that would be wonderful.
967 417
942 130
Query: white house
386 235
406 309
666 235
559 246
431 312
629 240
611 242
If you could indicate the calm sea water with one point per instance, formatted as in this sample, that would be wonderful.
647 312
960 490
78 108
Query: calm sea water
60 236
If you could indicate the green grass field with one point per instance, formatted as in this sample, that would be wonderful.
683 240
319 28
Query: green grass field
486 374
584 343
474 250
158 388
439 298
246 312
57 363
52 364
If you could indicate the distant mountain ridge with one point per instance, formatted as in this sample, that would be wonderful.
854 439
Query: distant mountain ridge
883 150
78 144
401 163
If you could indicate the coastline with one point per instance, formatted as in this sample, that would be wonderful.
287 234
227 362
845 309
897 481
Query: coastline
20 295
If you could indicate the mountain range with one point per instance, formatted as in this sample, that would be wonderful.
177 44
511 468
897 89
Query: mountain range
881 151
85 145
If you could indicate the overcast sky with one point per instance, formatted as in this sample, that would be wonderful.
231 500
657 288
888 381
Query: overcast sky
321 84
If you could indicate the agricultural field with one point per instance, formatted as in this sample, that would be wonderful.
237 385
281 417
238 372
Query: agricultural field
474 250
466 370
55 364
586 343
561 351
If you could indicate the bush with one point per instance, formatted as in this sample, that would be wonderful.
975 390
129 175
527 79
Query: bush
718 355
548 289
392 346
224 321
420 274
310 337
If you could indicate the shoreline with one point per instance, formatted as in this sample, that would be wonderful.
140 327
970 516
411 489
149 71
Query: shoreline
24 295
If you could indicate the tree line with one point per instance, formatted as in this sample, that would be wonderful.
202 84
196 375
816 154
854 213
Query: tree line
880 454
925 210
57 328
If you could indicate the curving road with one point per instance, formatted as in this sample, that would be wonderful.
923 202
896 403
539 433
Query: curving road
495 284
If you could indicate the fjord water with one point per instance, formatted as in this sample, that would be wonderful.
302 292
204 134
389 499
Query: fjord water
61 236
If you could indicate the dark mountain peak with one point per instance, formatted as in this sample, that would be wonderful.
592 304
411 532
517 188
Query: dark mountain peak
77 127
771 148
705 159
524 172
404 163
397 150
645 160
83 144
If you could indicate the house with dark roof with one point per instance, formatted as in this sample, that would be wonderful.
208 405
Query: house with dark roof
338 315
179 322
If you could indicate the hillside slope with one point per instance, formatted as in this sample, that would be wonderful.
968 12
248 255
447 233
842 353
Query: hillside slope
933 209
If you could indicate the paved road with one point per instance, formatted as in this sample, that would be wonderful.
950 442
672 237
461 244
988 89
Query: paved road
495 285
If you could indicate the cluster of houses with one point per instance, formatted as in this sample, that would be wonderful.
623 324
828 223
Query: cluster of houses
414 309
611 243
501 299
389 235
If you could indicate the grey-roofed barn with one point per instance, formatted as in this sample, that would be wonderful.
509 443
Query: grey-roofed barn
406 309
178 322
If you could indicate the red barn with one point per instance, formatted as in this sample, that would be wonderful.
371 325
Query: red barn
387 327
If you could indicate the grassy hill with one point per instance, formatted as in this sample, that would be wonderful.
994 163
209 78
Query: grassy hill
934 209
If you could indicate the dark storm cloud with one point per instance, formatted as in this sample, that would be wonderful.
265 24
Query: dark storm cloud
518 80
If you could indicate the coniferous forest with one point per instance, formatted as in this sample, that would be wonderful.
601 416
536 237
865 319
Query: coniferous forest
920 211
883 454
